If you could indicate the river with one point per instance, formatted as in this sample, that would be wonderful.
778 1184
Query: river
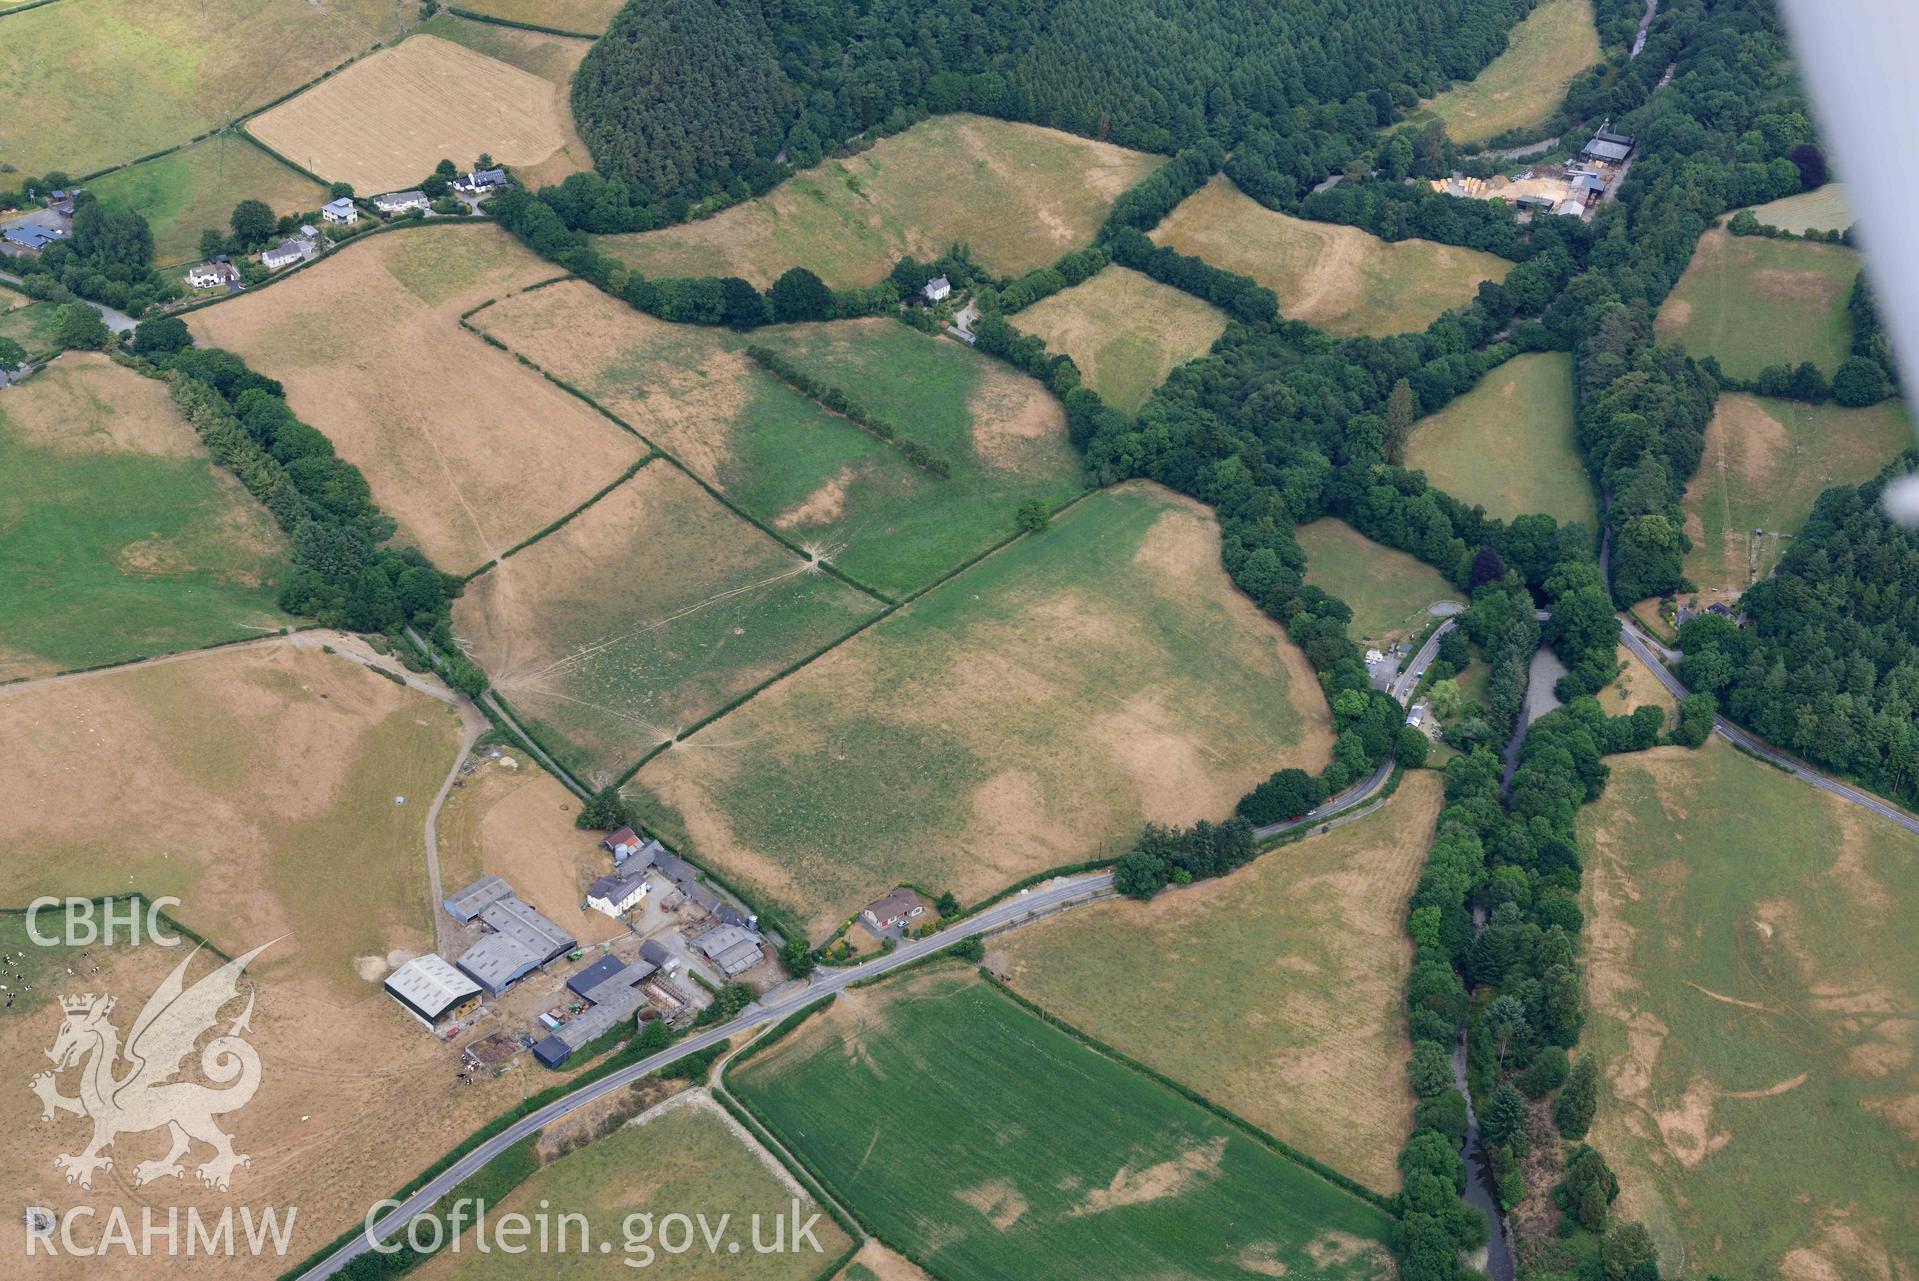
1482 1190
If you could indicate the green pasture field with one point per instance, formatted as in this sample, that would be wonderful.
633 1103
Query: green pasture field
1507 445
1341 279
1765 463
1125 331
691 1159
1752 979
1053 1161
645 613
1822 209
31 324
1554 45
1027 714
1754 302
1278 991
588 17
89 83
119 537
1018 195
818 479
182 194
1388 590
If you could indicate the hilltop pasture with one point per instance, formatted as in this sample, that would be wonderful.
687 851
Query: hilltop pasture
1276 991
817 479
1017 195
1554 45
1053 1161
1026 714
467 449
1125 331
1753 982
119 536
1341 279
1754 302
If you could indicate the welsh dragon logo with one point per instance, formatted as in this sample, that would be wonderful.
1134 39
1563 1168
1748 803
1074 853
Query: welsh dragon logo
132 1090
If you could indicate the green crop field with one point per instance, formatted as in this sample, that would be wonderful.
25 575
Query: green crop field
1555 44
1018 195
1339 278
1278 991
818 479
1765 463
690 1158
1053 1161
119 537
1754 302
131 79
1388 590
1753 980
589 17
183 194
1125 331
1026 714
1822 209
1508 444
644 614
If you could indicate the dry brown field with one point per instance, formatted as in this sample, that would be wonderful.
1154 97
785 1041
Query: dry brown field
384 122
466 448
1277 991
1125 331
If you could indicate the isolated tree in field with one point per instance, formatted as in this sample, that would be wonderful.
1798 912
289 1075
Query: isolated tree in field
1399 420
81 327
1859 382
12 355
800 295
1032 516
1578 1098
604 811
161 336
253 222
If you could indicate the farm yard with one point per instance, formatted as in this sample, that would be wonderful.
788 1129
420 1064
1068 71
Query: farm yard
1339 278
466 448
1765 463
1520 414
1125 331
1752 989
384 122
588 17
1018 195
130 80
1388 590
184 193
119 536
1754 302
687 1155
1054 1160
1029 713
1821 209
819 480
1277 991
1547 51
646 613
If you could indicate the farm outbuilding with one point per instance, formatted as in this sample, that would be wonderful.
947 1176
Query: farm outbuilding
465 904
430 989
522 923
733 949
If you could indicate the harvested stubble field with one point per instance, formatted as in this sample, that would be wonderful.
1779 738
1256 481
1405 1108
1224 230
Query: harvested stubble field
1754 302
1508 444
119 536
1029 713
1754 997
1054 1160
1018 195
260 785
1553 46
185 193
1822 209
383 123
553 59
1766 463
1388 590
1277 991
589 17
645 613
1341 279
469 450
510 818
818 479
90 83
1125 331
686 1156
